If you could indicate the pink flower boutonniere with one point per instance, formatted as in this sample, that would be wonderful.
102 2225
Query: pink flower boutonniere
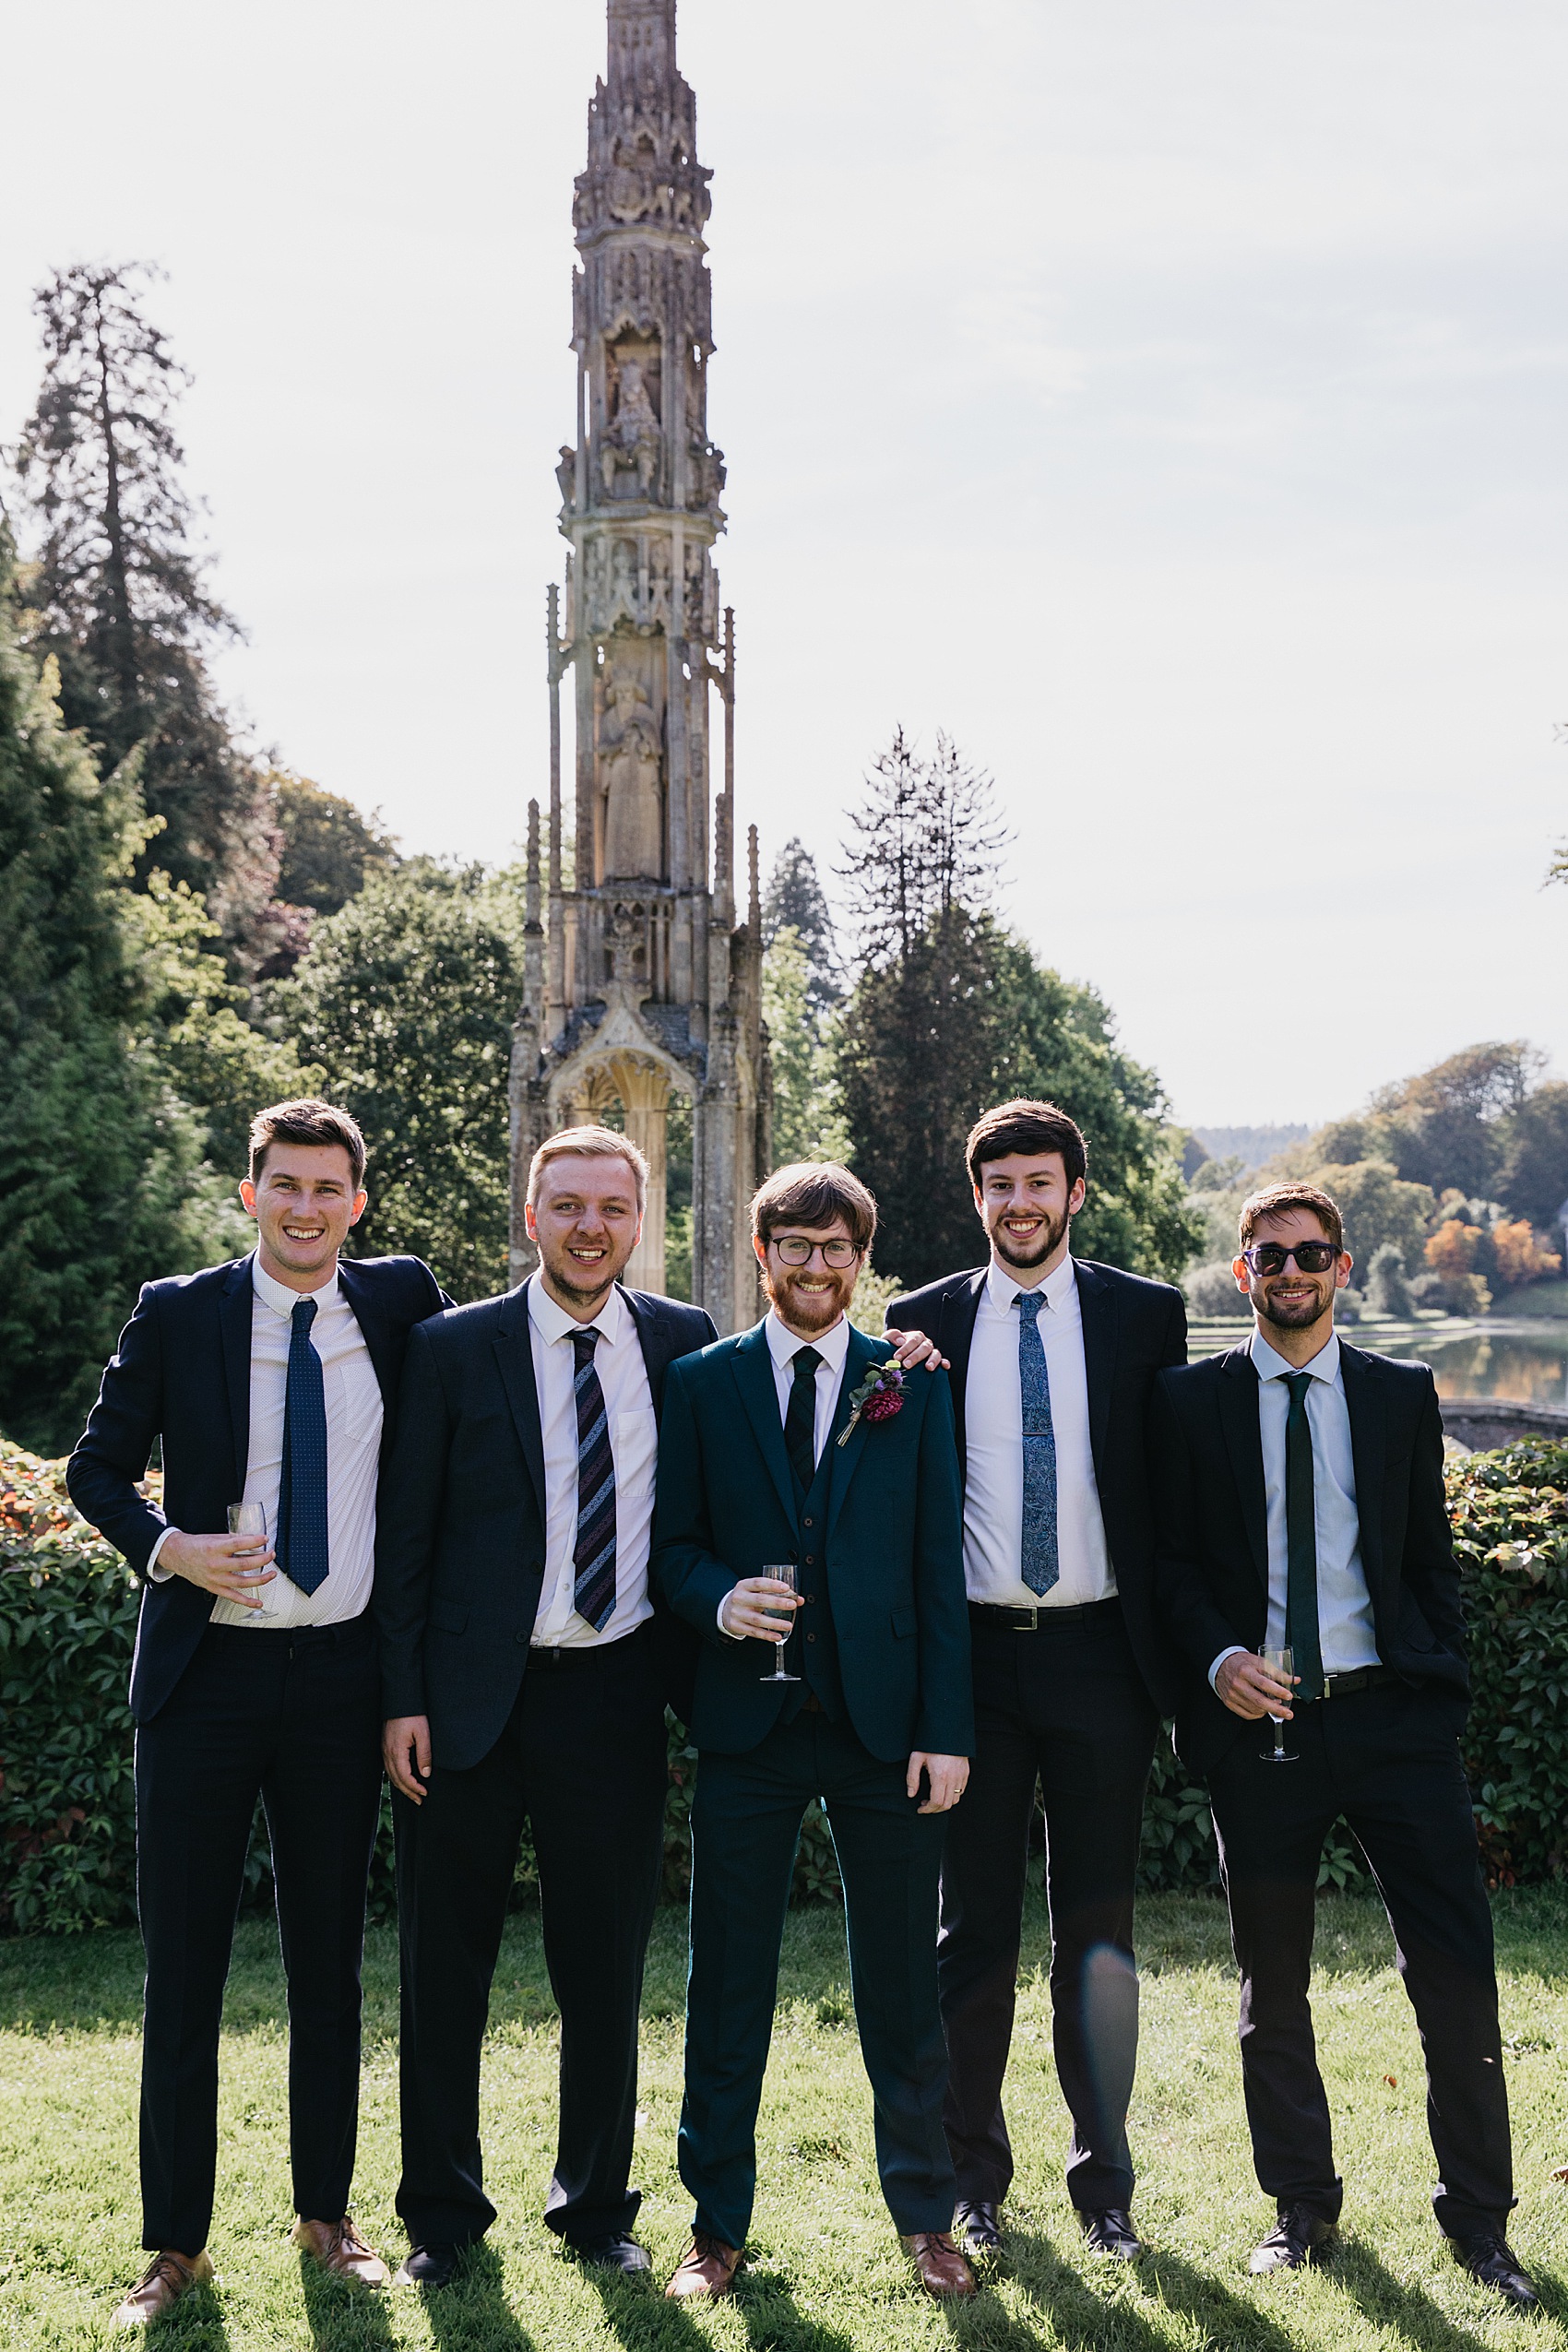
878 1397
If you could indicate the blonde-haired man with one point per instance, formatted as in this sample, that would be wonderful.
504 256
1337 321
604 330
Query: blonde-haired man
525 1670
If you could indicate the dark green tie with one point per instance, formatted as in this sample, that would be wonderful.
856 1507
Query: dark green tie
800 1420
1300 1543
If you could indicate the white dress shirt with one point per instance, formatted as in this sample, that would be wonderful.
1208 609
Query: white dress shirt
1347 1636
352 1396
783 1347
634 1442
994 1451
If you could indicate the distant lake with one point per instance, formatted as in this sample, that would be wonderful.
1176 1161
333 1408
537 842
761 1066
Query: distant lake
1528 1368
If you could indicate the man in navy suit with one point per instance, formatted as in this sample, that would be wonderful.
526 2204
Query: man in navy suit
269 1382
525 1667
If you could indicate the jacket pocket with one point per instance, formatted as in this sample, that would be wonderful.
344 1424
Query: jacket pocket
904 1625
446 1619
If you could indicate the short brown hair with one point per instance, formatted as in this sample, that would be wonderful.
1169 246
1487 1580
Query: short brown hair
590 1143
1028 1126
813 1191
1275 1197
306 1121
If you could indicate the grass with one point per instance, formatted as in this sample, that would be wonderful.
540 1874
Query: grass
825 2274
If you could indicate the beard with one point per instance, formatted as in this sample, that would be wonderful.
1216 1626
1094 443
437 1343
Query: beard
1295 1316
815 1309
1025 1256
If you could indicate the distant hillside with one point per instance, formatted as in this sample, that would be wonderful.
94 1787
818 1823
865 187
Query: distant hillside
1250 1145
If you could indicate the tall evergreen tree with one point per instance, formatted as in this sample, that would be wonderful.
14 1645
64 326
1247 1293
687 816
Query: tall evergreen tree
119 593
794 900
101 1164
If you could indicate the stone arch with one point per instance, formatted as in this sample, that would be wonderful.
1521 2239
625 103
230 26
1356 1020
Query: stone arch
641 1082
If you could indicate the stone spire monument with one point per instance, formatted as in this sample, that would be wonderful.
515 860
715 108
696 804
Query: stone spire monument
642 990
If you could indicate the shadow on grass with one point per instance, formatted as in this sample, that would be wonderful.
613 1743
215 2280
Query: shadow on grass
341 2316
1393 2303
473 2314
646 2321
1083 2321
195 2324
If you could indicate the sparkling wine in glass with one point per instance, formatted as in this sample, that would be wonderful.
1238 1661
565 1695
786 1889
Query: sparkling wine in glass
785 1573
250 1519
1282 1662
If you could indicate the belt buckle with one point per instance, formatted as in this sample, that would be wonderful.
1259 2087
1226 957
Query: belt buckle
1032 1612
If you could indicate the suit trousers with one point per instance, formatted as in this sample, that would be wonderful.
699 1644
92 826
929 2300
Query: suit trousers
1387 1759
1065 1705
745 1825
582 1760
294 1717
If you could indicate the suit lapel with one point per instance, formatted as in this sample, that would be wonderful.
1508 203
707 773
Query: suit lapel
1366 1402
1244 1442
377 1339
234 1305
752 1367
514 1354
657 1341
846 1458
1096 1306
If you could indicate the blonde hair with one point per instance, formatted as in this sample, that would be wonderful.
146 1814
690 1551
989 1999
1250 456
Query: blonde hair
588 1143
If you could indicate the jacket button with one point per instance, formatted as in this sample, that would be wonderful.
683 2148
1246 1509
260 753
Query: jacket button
811 1597
811 1638
811 1559
521 1638
810 1523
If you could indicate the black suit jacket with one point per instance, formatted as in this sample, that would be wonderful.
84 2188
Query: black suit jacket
1211 1568
461 1536
182 1372
1131 1327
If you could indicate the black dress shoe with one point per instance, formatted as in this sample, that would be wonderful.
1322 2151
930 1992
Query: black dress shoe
1297 2238
976 2225
615 2252
1109 2231
428 2266
1492 2262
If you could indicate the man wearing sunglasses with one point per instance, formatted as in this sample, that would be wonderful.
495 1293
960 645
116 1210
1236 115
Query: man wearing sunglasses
1299 1487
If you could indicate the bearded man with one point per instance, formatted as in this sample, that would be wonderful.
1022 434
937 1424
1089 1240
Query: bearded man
797 1446
1054 1360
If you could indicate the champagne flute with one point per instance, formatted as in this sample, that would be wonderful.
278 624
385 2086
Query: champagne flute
784 1573
250 1519
1281 1662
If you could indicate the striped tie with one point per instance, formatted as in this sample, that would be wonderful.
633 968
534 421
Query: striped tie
594 1591
302 1500
1038 1548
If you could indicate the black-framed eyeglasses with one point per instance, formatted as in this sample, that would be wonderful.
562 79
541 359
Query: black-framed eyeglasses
795 1249
1272 1257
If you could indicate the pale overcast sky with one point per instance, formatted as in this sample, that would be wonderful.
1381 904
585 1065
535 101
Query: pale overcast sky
1168 401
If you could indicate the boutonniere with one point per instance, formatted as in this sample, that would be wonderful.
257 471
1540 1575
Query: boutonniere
878 1397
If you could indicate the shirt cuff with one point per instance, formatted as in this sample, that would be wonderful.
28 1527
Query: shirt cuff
1237 1649
153 1573
737 1638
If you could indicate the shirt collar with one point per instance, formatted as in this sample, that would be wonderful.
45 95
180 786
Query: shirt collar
283 1301
554 1322
1271 1365
1001 1289
783 1345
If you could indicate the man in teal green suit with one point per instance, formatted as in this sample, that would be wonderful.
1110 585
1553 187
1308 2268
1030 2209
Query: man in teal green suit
792 1443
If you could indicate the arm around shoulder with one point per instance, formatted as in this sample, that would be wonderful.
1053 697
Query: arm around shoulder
408 1518
688 1573
945 1723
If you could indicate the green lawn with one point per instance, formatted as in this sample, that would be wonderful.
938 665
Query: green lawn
825 2274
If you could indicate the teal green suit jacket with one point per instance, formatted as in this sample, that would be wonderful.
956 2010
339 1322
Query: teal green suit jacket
891 1549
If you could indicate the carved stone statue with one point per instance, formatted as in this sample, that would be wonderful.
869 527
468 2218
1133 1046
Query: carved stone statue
632 437
566 475
629 771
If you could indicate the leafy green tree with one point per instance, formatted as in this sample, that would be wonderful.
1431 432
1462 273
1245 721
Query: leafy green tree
1378 1209
808 1115
1447 1127
330 848
794 900
405 1000
1532 1176
118 594
101 1164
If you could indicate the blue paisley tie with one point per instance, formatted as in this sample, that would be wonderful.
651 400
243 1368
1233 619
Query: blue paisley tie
1038 1550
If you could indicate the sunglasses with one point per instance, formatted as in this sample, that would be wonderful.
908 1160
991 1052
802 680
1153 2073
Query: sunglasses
1311 1257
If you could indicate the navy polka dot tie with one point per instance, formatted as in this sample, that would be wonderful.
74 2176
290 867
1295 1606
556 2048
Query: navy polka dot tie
302 1499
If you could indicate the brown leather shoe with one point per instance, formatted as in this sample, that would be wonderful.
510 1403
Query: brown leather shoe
166 2278
939 2265
337 2247
708 2267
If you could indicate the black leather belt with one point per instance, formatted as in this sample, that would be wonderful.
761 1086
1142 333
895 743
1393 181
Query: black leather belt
1363 1678
1006 1618
553 1655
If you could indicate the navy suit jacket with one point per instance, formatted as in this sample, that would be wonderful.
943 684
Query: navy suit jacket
892 1547
1212 1566
181 1373
1131 1328
461 1533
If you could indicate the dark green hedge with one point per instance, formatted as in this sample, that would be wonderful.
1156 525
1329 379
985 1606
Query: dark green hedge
68 1620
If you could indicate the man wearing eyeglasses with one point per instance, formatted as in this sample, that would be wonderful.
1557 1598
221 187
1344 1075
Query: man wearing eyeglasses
797 1445
1300 1484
